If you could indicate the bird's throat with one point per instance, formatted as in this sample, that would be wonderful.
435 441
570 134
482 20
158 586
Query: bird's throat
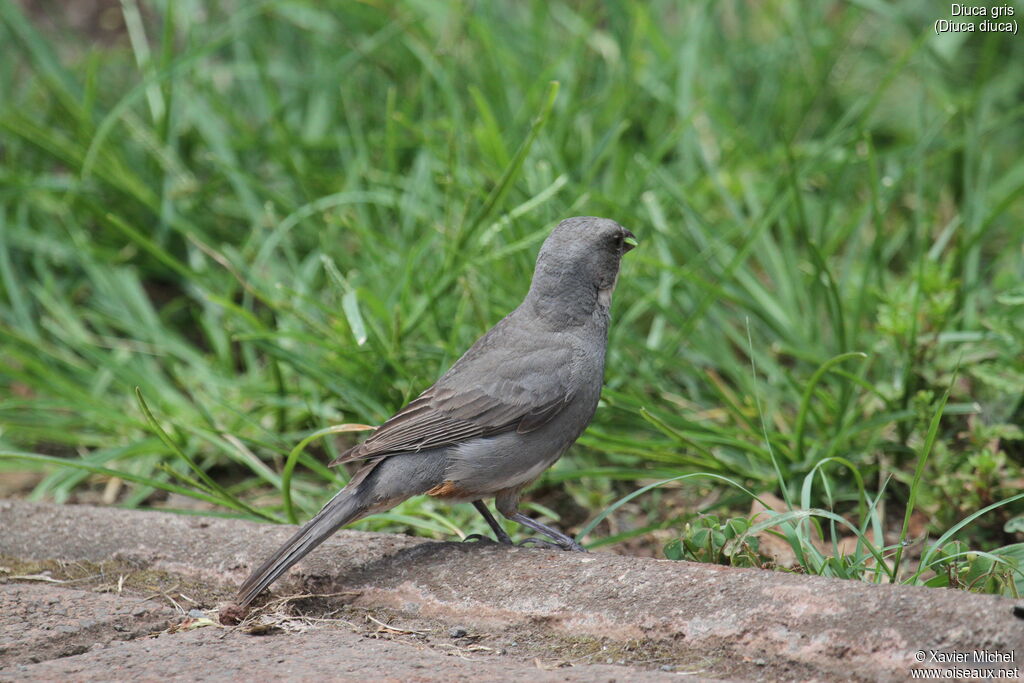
604 294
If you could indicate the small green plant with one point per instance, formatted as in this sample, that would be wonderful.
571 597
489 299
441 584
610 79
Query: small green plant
1000 571
709 539
973 473
943 563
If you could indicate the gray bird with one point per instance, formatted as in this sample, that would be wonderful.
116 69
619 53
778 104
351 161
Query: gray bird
504 413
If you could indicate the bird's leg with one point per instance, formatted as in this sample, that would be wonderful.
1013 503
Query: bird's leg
499 532
508 504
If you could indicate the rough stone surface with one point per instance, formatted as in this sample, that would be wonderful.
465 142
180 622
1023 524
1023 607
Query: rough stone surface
655 616
328 654
41 621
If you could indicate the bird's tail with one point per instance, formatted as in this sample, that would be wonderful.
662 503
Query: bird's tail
347 506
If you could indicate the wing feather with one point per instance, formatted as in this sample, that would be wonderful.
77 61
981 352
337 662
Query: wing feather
489 390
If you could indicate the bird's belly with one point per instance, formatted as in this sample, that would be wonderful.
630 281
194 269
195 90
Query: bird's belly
464 484
481 467
484 466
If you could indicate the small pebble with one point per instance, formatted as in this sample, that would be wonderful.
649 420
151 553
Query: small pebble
232 615
667 667
458 632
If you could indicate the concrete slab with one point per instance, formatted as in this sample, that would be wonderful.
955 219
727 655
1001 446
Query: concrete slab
42 621
529 603
322 655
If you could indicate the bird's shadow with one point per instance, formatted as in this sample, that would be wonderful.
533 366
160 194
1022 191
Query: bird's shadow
421 561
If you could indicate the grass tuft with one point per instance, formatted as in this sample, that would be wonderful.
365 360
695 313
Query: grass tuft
286 216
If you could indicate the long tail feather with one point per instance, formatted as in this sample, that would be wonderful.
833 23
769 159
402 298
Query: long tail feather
343 508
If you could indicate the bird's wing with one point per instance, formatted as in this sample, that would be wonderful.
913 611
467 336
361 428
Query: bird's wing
489 390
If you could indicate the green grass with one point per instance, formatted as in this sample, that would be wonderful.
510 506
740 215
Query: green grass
233 227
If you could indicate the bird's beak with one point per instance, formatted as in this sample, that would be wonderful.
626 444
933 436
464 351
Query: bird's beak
629 242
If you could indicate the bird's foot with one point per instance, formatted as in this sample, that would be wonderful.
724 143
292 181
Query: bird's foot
558 539
571 546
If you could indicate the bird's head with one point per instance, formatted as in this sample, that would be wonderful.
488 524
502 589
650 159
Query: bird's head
578 265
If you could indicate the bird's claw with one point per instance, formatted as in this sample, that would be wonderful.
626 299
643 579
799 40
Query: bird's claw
478 537
571 546
483 538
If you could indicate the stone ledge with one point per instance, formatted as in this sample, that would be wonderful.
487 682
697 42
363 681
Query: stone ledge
732 622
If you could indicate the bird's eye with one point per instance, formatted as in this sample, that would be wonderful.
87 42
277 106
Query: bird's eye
618 239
